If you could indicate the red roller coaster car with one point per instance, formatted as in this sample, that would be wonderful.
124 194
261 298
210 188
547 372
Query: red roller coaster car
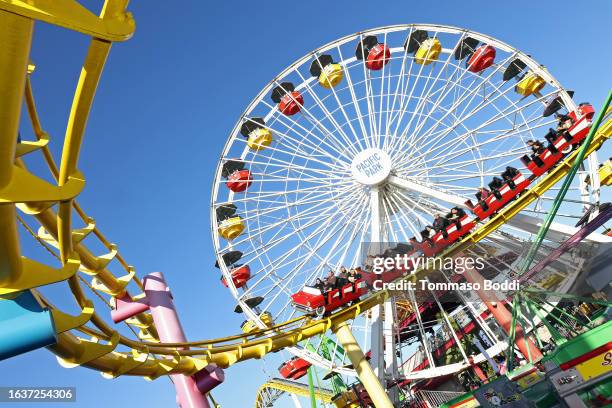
294 369
312 301
507 194
577 132
438 242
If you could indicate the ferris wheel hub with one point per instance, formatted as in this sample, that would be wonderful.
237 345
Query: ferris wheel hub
371 167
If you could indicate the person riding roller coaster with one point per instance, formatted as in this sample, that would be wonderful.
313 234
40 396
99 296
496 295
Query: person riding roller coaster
330 281
495 185
428 233
508 175
342 278
353 275
455 215
481 196
440 223
537 148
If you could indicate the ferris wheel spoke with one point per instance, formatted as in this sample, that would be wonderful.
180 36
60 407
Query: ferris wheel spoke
436 147
470 90
443 92
453 152
329 167
260 195
411 206
348 121
283 206
512 154
471 93
297 146
404 107
328 114
322 227
322 241
386 69
282 165
311 212
356 105
427 92
404 218
322 213
399 84
367 87
323 138
408 185
391 204
307 114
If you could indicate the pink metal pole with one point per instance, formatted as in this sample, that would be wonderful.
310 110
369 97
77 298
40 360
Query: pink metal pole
169 328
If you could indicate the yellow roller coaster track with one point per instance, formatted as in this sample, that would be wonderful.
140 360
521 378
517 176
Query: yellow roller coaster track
87 339
291 387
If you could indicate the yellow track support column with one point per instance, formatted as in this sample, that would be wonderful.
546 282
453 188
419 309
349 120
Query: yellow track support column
362 367
15 39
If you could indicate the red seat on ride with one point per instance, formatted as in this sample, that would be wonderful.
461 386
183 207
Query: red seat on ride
288 99
240 276
582 123
585 109
239 180
291 103
376 54
521 183
294 369
378 57
481 59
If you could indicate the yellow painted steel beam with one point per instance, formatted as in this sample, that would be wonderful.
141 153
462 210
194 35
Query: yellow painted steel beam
242 347
116 25
366 375
292 387
15 37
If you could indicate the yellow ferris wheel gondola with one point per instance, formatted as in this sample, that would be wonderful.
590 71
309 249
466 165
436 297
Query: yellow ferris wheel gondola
328 72
230 228
428 52
531 83
257 134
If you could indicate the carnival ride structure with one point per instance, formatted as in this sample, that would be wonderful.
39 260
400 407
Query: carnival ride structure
341 152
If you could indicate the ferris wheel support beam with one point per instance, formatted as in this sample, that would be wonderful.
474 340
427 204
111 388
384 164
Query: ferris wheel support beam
376 359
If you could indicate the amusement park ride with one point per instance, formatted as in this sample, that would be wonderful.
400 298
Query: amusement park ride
346 155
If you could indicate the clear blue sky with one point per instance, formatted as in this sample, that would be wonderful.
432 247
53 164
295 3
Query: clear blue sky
169 98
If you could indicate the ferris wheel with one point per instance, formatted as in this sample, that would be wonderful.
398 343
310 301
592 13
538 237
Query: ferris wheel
363 141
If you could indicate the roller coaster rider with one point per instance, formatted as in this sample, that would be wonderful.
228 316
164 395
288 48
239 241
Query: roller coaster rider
508 175
455 215
439 225
495 185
